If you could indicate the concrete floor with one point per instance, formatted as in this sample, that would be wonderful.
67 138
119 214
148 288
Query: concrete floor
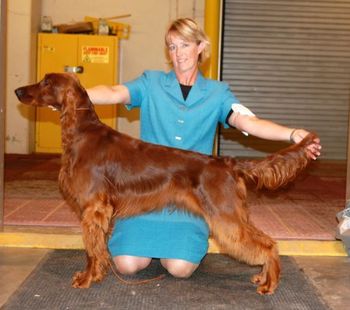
15 265
331 275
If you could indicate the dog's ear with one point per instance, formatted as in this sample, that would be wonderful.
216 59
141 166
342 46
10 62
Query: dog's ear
71 95
75 94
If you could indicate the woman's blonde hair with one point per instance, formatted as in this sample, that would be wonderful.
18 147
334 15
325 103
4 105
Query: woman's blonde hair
189 30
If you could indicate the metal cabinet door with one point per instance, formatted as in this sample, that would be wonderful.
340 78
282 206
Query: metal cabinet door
93 58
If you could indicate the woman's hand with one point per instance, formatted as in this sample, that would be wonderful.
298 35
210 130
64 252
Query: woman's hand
314 149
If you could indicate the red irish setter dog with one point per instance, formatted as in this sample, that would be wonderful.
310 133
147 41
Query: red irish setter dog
106 175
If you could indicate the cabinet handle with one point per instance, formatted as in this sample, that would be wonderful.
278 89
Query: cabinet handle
73 69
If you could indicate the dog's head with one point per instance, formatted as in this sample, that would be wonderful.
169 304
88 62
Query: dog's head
53 91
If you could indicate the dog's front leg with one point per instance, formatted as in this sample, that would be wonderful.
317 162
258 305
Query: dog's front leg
95 223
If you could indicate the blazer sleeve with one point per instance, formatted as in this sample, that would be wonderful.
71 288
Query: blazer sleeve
138 90
228 99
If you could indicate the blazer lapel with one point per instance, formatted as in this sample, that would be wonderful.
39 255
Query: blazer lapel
198 90
172 86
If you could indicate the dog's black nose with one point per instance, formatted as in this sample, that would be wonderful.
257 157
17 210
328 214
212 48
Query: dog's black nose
19 93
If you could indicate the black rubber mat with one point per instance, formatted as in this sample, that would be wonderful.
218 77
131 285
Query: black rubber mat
219 283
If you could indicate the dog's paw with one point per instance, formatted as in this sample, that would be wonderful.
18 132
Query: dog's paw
265 289
259 278
265 286
81 280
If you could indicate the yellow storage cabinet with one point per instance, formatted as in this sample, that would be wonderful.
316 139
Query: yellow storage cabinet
93 58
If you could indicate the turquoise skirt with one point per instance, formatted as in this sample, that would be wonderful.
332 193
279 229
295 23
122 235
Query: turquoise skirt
170 233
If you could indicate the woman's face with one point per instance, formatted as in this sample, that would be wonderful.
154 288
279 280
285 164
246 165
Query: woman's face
183 54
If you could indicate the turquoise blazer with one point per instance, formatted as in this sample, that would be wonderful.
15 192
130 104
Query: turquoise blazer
167 119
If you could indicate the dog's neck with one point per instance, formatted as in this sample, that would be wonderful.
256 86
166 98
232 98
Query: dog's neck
75 117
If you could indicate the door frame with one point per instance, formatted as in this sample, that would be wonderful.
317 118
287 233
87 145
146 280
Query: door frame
3 14
347 201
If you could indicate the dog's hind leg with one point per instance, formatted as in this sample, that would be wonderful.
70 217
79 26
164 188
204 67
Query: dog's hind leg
246 243
230 227
96 219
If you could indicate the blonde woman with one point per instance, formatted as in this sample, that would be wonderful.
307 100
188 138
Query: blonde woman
180 109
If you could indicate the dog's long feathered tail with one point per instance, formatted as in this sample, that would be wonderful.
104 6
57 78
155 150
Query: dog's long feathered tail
279 168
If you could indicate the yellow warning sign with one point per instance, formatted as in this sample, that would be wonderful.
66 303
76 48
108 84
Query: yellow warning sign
95 54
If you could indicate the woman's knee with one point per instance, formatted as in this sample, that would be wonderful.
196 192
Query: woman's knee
179 268
128 265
